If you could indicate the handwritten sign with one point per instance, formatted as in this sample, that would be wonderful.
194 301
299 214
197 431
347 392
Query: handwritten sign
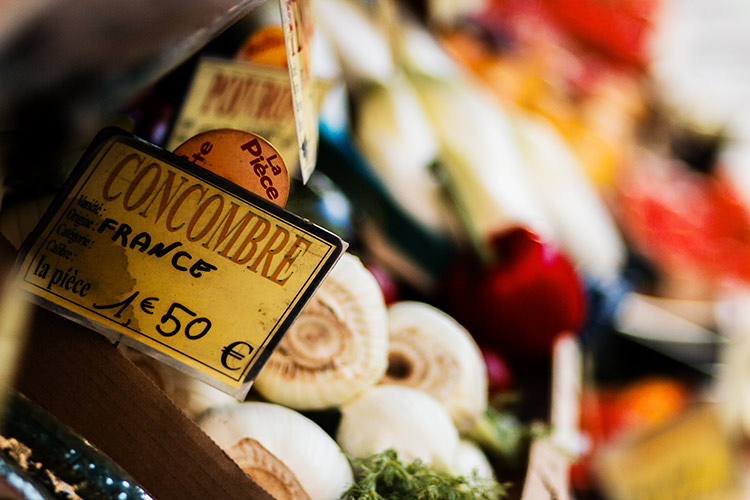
153 251
241 95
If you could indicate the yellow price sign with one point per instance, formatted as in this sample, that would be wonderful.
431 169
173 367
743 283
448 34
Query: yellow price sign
155 252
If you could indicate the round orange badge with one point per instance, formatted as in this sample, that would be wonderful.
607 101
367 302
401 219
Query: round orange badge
243 158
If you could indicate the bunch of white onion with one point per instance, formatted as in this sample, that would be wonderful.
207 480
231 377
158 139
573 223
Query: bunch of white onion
406 377
412 423
434 390
430 373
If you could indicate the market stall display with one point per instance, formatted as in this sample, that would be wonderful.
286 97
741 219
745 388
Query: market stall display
518 231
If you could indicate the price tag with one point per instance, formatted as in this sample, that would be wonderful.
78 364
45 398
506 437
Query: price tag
240 95
297 23
153 251
687 459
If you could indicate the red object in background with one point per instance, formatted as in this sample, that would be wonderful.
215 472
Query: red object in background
518 304
620 28
386 282
685 220
499 374
617 29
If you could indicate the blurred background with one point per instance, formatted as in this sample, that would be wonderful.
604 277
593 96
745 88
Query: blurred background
568 179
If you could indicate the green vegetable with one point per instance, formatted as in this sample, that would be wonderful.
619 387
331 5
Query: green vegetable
501 434
383 476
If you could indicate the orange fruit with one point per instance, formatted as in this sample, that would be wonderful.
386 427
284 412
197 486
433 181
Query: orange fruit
648 402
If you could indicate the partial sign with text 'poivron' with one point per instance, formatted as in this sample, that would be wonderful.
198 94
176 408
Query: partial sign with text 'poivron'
155 252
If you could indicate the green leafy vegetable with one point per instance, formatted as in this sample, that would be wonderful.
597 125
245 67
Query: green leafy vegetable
384 477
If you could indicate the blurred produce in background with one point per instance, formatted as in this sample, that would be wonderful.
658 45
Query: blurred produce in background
560 190
586 197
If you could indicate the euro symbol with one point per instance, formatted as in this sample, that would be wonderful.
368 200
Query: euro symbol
230 352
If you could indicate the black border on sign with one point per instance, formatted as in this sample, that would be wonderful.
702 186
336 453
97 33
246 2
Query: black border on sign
105 138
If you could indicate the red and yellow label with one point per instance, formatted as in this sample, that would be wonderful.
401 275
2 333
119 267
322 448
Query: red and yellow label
147 249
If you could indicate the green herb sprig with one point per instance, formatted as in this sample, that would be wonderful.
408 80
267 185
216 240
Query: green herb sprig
384 477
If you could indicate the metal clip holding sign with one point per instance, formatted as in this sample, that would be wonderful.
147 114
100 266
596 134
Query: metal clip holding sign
152 251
